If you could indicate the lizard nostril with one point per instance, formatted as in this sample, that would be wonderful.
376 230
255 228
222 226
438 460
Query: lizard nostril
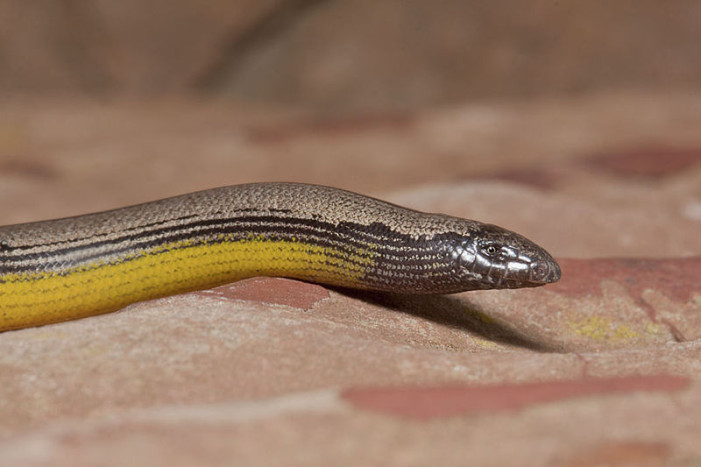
539 271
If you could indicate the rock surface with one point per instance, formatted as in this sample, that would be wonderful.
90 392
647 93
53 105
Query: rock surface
601 368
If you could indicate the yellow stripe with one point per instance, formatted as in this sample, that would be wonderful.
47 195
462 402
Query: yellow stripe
36 299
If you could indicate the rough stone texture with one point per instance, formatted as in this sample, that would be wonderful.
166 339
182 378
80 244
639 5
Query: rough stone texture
601 368
443 402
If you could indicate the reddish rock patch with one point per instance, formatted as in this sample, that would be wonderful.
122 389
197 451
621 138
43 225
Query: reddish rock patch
430 403
273 290
651 162
677 278
624 453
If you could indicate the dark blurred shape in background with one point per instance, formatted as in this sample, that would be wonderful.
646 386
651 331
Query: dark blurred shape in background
339 56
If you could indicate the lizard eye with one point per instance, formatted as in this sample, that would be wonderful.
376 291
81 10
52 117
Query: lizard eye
490 250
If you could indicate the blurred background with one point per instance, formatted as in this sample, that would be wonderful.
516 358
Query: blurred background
339 57
106 103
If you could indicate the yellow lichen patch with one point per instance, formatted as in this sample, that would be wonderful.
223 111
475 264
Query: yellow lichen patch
36 299
654 329
603 328
485 344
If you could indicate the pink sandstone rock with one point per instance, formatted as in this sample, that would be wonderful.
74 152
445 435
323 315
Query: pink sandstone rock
276 291
446 401
259 372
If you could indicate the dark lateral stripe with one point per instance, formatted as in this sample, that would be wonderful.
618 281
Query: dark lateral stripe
375 231
151 226
280 230
340 241
405 267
